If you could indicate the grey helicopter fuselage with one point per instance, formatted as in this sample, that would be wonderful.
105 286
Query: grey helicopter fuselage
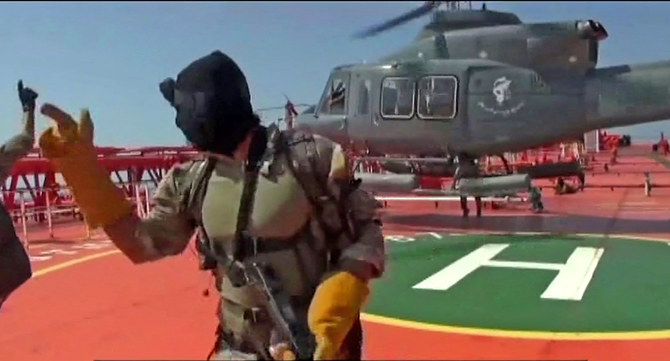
487 90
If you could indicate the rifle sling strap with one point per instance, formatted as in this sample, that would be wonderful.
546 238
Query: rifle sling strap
240 249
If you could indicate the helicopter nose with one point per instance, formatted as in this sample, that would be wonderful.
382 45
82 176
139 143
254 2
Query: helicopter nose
304 123
333 129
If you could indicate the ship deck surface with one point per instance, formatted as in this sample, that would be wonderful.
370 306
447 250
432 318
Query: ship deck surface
86 301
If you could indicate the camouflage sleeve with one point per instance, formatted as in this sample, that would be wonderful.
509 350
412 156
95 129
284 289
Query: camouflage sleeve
17 147
168 227
365 256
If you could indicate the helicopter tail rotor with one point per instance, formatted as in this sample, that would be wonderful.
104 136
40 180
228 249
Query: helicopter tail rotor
424 9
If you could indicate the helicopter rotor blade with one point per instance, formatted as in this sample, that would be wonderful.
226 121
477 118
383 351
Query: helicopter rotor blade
288 101
279 107
424 9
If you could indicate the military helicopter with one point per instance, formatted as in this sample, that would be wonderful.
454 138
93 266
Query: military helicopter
479 82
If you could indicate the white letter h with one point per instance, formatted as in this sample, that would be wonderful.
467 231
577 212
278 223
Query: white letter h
569 284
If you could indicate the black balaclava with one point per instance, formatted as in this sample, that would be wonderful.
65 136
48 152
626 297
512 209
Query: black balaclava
213 104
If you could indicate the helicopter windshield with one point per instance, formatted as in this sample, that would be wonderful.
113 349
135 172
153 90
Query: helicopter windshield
334 103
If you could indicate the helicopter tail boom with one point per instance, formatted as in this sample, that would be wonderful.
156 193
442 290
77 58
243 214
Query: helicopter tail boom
628 94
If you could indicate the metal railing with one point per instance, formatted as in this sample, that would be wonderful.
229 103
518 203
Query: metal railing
23 213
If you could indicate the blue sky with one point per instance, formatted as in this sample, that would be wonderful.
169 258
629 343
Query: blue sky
110 57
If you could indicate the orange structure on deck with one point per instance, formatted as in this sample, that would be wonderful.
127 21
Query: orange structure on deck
126 166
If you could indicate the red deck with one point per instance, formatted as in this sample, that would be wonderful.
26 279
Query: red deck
87 303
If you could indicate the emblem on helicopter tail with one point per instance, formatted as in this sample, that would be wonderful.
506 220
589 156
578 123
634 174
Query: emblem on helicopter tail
502 93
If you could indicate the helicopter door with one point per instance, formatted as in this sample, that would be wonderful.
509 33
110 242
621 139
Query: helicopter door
360 111
392 122
332 113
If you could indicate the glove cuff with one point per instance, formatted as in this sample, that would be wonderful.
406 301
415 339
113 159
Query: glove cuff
334 309
99 200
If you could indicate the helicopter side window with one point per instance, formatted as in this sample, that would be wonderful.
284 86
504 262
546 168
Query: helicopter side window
335 101
437 97
364 98
398 98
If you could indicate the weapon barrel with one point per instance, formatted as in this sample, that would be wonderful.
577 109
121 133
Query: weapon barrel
494 185
399 183
552 170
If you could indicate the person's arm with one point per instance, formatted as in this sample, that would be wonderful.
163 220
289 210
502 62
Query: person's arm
340 296
168 228
20 144
17 146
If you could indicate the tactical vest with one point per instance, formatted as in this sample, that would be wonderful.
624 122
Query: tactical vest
315 247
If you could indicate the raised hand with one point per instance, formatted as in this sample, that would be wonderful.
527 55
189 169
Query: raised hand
69 145
67 137
27 97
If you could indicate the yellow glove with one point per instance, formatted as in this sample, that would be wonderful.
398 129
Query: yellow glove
336 305
70 147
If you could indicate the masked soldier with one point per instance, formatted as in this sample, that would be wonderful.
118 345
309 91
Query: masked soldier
282 200
14 261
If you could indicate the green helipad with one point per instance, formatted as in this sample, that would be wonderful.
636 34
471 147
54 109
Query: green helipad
545 283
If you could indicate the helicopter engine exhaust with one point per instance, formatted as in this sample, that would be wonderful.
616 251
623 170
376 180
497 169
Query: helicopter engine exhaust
591 29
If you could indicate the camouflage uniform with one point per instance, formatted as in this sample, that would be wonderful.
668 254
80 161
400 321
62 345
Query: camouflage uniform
14 261
306 218
14 149
293 234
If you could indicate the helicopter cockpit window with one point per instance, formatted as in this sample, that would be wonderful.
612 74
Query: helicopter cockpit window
335 100
364 98
437 97
398 98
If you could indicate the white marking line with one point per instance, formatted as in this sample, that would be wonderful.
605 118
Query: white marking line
398 238
436 235
581 264
90 245
68 251
450 275
569 284
525 265
57 251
